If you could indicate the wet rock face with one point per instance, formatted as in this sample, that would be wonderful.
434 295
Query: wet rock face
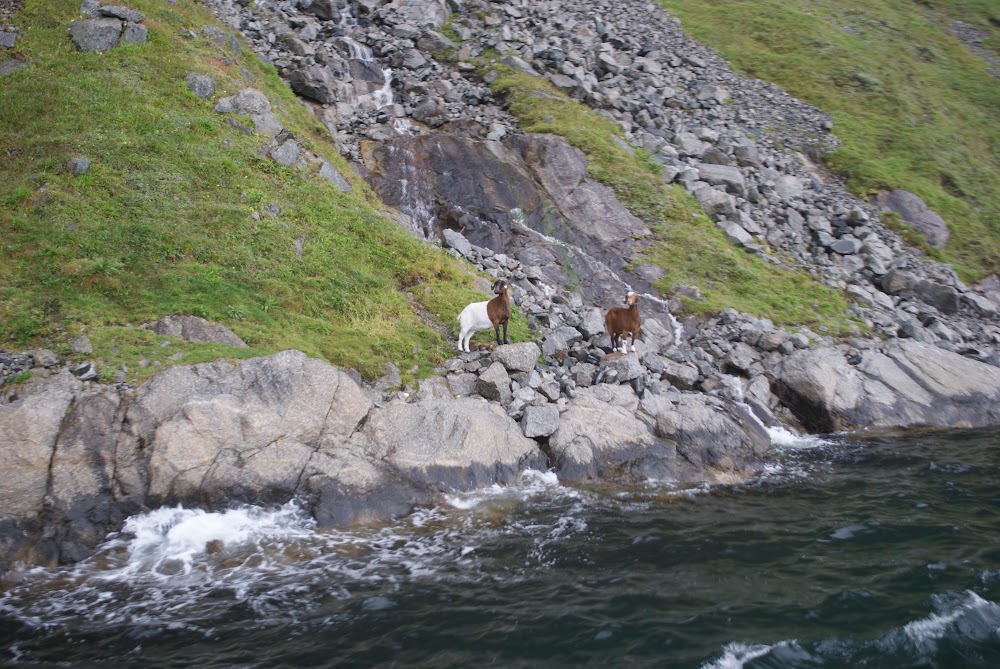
528 196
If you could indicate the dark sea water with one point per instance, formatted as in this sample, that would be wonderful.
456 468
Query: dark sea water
882 553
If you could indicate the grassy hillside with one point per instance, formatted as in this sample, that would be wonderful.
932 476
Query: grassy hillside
688 246
180 214
913 106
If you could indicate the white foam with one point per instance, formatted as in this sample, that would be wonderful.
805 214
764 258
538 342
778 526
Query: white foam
782 437
735 655
978 617
530 483
173 535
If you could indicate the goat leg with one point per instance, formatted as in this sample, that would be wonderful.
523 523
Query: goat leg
505 340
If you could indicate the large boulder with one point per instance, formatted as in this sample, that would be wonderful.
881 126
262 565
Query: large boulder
450 445
195 329
599 437
219 432
717 438
255 104
95 35
917 214
905 384
517 357
431 13
315 83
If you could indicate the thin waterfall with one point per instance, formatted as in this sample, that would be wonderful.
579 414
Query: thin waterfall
382 97
415 199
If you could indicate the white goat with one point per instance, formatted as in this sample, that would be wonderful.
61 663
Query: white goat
480 316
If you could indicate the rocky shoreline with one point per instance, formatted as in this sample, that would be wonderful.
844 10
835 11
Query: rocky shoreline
693 403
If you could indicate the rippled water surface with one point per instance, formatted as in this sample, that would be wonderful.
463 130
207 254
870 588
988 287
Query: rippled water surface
883 553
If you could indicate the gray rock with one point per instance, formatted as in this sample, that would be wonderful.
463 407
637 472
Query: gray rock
494 384
331 174
916 213
7 39
715 203
286 153
540 421
550 390
462 385
28 430
982 304
846 246
682 375
315 82
123 13
724 175
327 10
433 388
600 439
740 360
433 41
452 445
720 439
134 33
252 102
193 328
747 155
79 505
85 371
517 357
296 45
944 298
896 281
95 35
201 85
788 187
519 64
45 358
390 380
583 374
413 59
457 241
81 346
10 66
627 367
688 144
591 323
78 166
735 233
559 340
223 39
242 432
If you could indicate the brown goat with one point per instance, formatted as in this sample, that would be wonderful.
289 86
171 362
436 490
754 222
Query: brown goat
498 309
620 322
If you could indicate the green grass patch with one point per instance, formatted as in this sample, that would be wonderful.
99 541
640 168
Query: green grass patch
140 353
179 213
912 106
688 246
18 379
